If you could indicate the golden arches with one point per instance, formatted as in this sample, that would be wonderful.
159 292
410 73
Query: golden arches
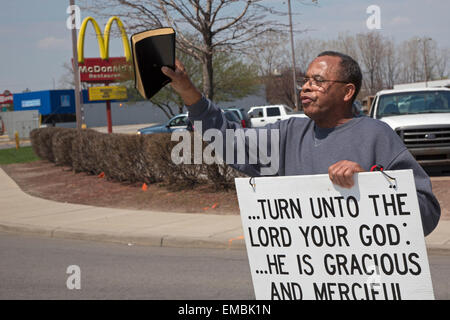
103 41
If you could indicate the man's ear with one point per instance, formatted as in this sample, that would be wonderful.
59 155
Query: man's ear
350 90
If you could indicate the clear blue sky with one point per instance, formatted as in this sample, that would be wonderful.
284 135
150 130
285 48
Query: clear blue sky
35 42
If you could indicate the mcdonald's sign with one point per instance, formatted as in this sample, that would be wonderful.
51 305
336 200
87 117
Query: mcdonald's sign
6 97
104 69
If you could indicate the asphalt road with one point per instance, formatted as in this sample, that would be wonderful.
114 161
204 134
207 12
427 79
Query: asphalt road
37 268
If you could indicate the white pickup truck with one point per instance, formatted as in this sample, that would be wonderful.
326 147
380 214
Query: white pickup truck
262 115
421 117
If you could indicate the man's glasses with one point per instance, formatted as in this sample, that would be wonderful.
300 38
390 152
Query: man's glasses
317 81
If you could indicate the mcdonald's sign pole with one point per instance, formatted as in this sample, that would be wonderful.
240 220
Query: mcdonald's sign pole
108 114
105 69
76 75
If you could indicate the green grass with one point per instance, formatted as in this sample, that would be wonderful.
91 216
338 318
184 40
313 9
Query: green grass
23 154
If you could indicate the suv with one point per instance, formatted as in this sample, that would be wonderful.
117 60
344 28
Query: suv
421 117
262 115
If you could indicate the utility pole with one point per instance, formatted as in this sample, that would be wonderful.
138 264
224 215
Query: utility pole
425 63
425 59
294 76
76 72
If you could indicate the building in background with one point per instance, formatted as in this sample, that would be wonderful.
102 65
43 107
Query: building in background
6 101
54 106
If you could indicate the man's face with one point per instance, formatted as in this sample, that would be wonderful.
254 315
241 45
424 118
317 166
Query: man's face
323 103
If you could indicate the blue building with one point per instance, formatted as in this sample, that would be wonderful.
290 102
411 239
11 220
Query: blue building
54 106
51 105
47 102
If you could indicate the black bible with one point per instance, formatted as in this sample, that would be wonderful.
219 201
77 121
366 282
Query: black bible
151 50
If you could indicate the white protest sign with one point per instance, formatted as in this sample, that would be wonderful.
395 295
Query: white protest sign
309 239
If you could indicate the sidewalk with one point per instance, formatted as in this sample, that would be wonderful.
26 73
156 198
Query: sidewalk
22 213
127 129
6 143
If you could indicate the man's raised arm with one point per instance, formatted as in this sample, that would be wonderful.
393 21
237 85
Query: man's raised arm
182 84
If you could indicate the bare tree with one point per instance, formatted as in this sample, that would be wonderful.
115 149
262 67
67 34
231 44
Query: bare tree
278 88
382 61
346 44
218 25
440 60
269 52
66 81
410 67
307 49
390 64
371 48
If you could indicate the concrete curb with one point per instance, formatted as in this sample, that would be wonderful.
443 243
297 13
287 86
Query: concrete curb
156 240
125 238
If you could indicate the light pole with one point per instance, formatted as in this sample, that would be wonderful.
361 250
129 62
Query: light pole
76 73
424 40
294 76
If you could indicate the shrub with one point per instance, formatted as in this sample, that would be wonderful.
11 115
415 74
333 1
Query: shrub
62 146
35 142
41 140
124 158
87 145
176 176
150 169
128 158
222 176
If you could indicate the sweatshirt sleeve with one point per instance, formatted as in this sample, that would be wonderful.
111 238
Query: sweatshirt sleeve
430 209
253 151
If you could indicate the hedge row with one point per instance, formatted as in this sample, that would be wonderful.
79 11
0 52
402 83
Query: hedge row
126 158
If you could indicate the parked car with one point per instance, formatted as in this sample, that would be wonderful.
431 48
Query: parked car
179 122
357 108
242 115
232 116
421 117
262 115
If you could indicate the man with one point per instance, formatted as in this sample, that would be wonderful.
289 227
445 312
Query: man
331 140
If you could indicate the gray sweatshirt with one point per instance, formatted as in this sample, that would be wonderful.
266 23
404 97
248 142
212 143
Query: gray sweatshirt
306 149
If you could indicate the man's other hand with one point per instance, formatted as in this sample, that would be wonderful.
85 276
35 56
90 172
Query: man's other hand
341 173
182 84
